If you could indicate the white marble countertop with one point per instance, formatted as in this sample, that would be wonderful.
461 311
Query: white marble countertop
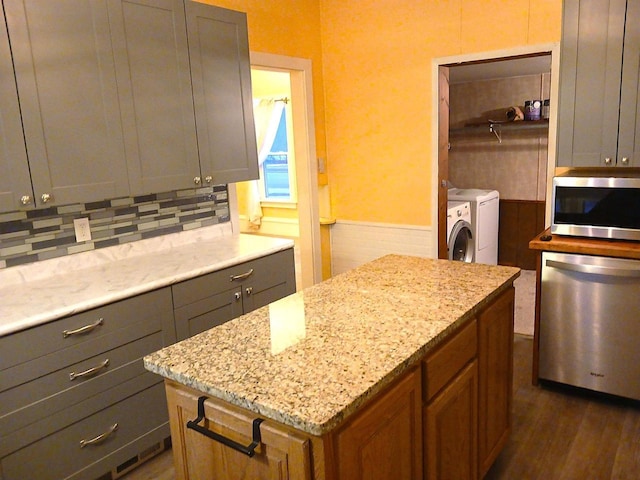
52 289
311 359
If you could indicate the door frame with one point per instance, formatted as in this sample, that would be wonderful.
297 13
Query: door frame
304 135
439 143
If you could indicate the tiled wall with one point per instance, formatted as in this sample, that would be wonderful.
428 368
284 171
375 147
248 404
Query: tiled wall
517 167
35 235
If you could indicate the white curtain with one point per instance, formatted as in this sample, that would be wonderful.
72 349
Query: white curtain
266 113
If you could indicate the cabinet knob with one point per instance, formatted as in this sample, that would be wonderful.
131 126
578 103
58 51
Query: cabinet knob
607 161
625 161
46 197
208 179
197 180
238 295
249 290
25 200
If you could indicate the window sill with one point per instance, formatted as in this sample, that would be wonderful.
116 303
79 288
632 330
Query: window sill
275 204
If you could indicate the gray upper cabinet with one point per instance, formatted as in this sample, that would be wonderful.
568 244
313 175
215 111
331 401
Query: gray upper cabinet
221 78
152 66
15 183
63 61
122 97
598 107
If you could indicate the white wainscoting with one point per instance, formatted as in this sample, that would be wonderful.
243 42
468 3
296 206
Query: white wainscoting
354 243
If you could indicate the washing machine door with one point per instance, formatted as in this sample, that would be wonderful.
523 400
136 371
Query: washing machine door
461 242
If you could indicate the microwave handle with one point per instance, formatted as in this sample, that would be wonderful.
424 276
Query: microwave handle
594 269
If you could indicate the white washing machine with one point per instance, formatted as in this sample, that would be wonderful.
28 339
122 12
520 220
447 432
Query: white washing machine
459 235
485 208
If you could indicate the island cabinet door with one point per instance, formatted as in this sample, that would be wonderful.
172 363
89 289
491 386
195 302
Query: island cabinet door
495 362
383 441
282 453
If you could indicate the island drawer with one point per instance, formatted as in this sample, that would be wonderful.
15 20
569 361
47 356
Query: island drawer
57 390
138 417
442 365
260 274
60 341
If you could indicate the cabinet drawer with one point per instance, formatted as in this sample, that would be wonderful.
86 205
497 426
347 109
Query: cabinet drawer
116 324
135 416
443 364
51 393
266 272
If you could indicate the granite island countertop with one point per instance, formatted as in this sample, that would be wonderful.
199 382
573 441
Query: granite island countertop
55 288
311 359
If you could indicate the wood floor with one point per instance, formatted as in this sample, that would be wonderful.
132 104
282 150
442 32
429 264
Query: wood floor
557 434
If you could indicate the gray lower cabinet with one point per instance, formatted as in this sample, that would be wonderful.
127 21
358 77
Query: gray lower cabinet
215 298
76 388
598 108
118 98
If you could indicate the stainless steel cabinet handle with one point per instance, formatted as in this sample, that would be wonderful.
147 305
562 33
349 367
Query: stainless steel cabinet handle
249 291
242 276
89 372
100 438
593 269
81 330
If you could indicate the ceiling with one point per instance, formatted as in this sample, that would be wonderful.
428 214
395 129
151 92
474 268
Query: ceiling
500 68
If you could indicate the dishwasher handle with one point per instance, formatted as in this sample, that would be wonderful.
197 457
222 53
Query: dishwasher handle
594 269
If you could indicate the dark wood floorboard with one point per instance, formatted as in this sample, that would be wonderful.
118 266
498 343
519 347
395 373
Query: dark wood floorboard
566 434
557 434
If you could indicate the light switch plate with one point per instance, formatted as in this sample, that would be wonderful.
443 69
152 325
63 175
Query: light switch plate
81 227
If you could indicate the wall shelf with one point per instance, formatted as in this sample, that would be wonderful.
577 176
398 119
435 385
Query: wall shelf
497 128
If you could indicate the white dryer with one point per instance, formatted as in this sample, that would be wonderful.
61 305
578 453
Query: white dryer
459 236
485 208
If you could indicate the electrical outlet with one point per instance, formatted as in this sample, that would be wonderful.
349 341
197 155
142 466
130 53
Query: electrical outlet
81 227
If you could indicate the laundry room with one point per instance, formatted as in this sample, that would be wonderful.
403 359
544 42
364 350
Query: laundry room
498 135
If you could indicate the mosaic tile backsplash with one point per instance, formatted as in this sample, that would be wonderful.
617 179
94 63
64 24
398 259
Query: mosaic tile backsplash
35 235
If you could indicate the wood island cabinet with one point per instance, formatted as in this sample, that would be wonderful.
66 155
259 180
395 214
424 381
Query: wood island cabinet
446 417
495 380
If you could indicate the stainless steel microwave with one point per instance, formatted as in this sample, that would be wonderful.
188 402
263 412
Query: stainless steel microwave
588 205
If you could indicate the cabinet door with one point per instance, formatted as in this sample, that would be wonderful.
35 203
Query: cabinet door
68 95
629 141
592 43
154 84
495 360
15 181
207 313
451 429
221 78
283 453
273 278
384 440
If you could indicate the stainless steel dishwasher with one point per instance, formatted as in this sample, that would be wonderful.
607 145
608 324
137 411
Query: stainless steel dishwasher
590 323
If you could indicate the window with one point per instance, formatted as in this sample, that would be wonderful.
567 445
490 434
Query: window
275 169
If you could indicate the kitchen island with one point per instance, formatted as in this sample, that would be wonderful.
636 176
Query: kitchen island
402 365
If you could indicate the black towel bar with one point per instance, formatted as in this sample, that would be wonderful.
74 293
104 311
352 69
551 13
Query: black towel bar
248 450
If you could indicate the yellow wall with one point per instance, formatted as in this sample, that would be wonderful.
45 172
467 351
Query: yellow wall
377 57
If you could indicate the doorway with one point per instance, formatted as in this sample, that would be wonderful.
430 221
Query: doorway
514 62
288 81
